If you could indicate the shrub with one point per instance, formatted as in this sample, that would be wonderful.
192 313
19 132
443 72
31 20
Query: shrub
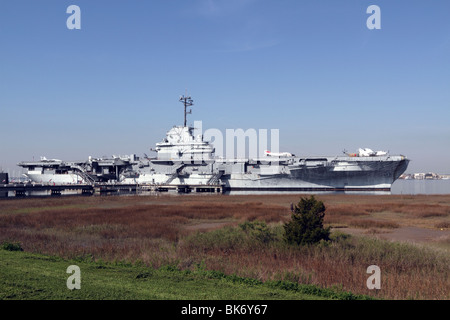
306 225
258 230
9 246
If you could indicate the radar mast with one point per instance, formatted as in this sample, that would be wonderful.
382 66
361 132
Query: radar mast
187 102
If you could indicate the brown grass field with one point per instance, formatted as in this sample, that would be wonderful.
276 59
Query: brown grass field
408 237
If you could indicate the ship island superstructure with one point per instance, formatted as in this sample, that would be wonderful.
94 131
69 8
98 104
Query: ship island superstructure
185 159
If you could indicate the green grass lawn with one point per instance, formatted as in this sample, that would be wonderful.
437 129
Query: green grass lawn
27 276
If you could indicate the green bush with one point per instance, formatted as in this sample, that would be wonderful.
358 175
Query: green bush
258 230
306 225
10 246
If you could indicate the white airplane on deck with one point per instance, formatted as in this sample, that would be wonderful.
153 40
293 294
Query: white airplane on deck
278 154
44 159
366 152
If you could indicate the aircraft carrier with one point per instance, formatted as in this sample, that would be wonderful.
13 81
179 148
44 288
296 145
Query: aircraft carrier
183 159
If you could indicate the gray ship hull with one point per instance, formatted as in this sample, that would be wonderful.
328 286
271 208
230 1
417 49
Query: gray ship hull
373 175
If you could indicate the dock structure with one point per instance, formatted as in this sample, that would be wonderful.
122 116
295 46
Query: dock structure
29 189
23 190
179 188
184 188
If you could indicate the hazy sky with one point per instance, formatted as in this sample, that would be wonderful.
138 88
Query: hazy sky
312 69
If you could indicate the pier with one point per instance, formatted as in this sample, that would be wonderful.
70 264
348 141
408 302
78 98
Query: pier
30 189
142 188
24 190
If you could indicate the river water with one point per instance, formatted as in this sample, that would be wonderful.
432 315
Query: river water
421 187
408 187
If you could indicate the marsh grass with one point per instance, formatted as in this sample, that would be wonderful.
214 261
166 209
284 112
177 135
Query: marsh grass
406 269
158 231
371 223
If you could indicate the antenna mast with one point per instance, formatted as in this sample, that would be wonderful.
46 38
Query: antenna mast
187 102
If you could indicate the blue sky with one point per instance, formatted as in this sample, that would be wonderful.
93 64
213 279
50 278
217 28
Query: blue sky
311 69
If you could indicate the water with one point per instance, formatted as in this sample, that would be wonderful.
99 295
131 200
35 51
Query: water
409 187
421 187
